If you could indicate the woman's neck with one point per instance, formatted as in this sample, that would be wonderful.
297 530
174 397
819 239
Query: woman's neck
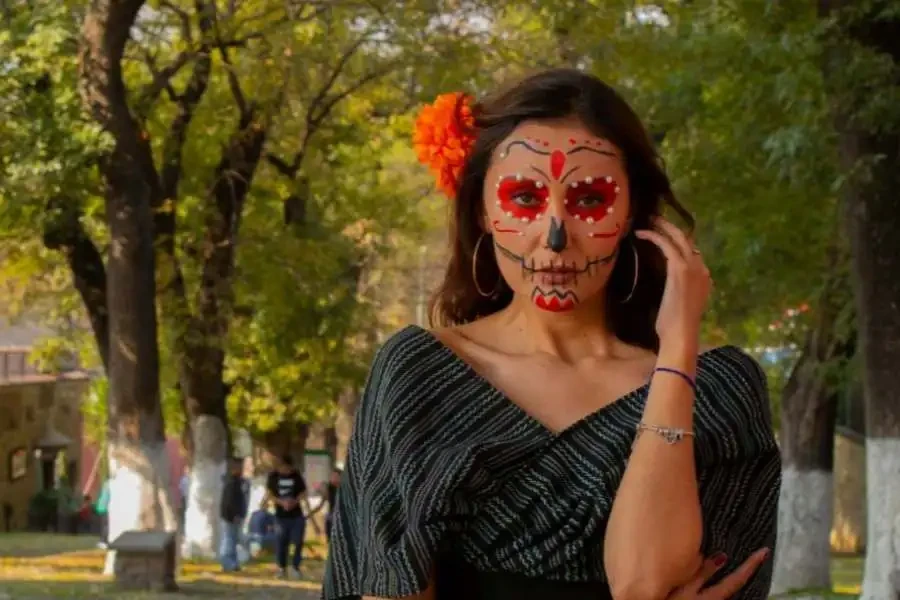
570 335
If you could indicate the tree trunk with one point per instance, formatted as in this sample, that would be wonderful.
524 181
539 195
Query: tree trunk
202 347
809 411
873 223
138 459
201 521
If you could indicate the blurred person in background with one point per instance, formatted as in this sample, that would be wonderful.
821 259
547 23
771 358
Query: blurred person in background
286 489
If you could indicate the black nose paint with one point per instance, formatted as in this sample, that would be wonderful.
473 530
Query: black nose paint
556 237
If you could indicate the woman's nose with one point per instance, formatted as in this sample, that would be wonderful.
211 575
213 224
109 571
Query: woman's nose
557 238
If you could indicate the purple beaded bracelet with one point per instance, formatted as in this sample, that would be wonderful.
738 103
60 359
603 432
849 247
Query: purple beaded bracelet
690 380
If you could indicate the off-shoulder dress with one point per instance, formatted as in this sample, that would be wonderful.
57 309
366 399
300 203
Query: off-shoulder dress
447 477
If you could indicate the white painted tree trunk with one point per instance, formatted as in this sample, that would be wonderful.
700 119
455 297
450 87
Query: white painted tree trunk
881 580
805 511
201 519
140 496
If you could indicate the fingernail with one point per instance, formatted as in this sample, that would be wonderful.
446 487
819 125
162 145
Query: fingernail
766 552
719 559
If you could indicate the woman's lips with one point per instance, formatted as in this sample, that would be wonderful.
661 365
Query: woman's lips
557 277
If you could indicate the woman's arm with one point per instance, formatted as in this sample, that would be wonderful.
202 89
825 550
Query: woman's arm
653 539
655 529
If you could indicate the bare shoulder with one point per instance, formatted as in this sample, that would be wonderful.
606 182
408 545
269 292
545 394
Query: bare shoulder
479 333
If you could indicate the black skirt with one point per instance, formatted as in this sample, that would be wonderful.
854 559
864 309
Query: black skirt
458 581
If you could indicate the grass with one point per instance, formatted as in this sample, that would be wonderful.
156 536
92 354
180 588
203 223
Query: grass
34 566
39 566
31 544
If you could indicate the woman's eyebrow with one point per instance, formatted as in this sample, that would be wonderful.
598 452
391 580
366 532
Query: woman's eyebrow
569 172
526 145
589 149
544 175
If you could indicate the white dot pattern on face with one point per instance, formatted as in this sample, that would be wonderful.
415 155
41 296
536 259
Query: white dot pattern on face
540 184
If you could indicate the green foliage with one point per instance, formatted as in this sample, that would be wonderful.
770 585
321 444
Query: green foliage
333 87
47 145
733 90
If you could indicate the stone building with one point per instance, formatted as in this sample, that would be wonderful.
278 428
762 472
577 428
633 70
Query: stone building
40 428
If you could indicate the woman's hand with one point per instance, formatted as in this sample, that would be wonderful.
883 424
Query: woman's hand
726 588
687 284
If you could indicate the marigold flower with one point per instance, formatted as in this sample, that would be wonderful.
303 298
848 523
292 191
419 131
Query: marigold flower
444 136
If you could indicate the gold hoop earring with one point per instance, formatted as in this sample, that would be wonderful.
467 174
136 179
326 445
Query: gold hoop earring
475 270
636 269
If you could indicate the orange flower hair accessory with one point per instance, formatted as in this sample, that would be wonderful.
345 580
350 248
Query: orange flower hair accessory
443 138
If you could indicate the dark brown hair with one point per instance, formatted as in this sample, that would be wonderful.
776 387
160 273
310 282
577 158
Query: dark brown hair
555 94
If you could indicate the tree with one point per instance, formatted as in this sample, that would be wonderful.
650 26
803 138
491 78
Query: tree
292 123
863 73
137 447
212 103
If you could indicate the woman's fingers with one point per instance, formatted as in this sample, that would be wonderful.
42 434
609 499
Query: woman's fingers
672 253
704 572
733 582
709 568
678 237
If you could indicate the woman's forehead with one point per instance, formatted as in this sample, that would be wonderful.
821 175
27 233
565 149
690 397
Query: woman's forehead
538 140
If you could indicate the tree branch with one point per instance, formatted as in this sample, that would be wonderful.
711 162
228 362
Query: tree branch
188 100
239 99
333 76
104 34
162 80
289 170
184 17
64 232
316 120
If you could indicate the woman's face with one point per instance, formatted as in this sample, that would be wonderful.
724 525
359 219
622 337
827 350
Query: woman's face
556 202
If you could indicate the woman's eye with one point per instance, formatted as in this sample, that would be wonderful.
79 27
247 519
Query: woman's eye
527 199
591 201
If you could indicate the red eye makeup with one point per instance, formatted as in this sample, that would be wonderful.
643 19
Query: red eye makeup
522 198
592 198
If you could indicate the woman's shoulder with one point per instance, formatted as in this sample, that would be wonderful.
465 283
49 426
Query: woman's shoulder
734 373
732 412
407 352
408 366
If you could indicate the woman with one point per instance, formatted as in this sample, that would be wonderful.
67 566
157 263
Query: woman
560 435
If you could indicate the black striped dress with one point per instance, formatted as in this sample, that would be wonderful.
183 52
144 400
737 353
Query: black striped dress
446 475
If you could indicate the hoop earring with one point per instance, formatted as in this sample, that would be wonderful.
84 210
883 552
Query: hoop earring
636 269
475 271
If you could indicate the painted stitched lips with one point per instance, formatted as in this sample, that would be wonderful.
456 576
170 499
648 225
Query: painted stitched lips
554 300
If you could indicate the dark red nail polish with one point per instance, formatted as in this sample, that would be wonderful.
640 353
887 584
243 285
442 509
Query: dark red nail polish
719 559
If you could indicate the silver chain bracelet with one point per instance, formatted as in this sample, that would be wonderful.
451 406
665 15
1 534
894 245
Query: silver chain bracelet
672 435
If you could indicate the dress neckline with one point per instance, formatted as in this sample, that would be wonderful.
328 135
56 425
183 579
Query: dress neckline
637 394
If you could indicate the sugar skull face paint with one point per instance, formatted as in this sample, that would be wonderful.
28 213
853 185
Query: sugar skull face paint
556 202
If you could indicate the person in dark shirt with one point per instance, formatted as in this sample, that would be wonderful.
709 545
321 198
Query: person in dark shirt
233 510
287 489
